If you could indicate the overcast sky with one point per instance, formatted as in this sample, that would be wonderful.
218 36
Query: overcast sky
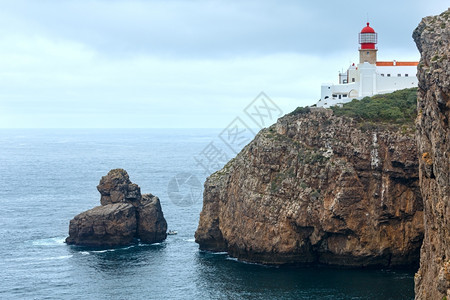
121 64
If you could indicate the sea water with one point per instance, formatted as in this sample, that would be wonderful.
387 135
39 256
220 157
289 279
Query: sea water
49 176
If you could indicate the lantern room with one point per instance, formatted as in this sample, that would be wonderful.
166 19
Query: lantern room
368 39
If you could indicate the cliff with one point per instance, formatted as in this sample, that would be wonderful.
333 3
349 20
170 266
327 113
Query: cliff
124 215
432 37
318 188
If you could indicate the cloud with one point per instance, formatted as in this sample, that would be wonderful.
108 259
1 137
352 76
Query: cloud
215 28
180 63
62 77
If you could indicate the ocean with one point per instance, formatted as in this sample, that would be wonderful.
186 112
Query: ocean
47 176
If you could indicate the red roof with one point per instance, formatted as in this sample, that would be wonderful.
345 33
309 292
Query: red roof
397 63
367 29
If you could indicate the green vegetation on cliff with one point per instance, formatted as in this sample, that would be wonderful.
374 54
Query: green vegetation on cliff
299 111
398 107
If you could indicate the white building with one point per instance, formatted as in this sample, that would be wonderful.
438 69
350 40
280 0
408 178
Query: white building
370 76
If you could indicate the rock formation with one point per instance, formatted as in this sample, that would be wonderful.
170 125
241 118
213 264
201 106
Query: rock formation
432 37
124 215
317 188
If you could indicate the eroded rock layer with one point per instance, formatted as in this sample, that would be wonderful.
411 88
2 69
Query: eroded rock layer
432 37
316 188
124 216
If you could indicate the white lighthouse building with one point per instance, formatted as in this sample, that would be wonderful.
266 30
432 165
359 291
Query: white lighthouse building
369 77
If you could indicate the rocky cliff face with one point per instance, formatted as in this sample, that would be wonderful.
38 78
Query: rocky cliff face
124 215
316 188
432 37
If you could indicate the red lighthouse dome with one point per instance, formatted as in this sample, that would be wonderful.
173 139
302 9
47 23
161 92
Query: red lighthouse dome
368 37
367 29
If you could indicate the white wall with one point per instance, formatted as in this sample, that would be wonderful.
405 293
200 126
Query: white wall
390 84
325 90
394 70
370 83
367 79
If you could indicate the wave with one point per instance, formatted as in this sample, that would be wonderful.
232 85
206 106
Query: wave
86 251
112 249
149 245
213 252
27 260
251 263
57 257
102 251
55 241
156 244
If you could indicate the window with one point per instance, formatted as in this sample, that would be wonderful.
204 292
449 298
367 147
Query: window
388 75
406 75
367 38
367 52
345 95
326 97
334 95
382 75
399 75
328 87
353 79
339 96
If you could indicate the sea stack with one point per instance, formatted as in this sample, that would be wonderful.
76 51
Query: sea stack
317 188
123 217
432 37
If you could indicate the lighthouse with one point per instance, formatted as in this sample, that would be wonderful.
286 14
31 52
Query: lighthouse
369 77
368 49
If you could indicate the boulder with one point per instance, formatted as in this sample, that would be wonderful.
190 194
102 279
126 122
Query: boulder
109 225
125 216
116 187
151 223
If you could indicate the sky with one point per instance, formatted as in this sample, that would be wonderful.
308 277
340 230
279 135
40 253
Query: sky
182 64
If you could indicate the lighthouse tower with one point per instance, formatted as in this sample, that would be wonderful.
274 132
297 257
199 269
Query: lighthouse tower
368 50
369 77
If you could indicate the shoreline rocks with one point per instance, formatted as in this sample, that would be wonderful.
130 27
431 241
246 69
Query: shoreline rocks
124 216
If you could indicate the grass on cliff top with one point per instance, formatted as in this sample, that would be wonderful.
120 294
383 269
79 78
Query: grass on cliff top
399 107
299 111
